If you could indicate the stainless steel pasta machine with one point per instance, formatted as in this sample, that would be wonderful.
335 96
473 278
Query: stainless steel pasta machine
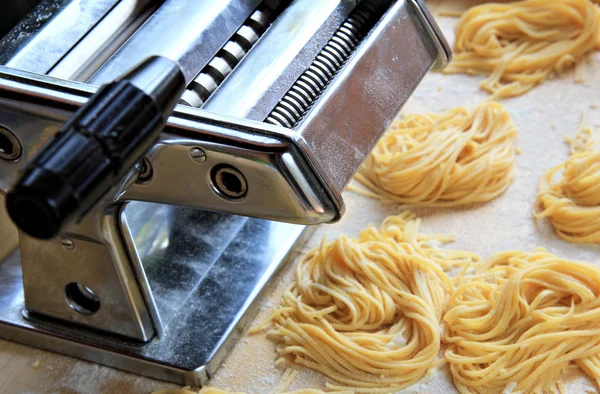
161 158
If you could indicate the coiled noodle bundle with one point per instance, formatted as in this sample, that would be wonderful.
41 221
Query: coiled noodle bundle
573 202
520 44
520 320
365 312
462 156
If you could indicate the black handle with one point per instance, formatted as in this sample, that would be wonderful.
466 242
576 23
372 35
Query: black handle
95 149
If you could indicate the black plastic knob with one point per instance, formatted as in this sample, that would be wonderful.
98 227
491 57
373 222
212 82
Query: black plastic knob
93 151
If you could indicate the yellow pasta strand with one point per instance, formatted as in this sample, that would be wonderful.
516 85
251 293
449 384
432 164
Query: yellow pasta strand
573 202
286 380
462 156
520 320
365 312
521 44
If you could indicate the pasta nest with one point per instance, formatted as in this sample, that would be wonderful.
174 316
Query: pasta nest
462 156
365 312
573 201
520 320
521 44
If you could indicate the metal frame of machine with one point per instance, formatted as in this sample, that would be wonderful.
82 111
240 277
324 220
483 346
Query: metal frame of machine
145 281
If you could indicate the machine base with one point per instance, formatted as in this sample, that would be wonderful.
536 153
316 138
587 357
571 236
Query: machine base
207 283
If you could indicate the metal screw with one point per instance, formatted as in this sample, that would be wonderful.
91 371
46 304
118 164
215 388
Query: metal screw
67 243
198 155
145 168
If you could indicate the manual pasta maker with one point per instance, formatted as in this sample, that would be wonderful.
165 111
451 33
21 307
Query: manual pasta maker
160 160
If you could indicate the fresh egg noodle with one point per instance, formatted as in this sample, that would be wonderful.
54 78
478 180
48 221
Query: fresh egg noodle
573 202
459 157
520 320
366 311
521 44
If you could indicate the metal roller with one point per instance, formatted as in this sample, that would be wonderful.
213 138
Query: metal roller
327 63
279 58
231 54
189 33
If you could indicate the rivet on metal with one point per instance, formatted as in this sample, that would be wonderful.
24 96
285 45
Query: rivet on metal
67 243
145 171
198 155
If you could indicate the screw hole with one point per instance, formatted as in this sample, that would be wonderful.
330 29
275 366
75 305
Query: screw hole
10 147
82 299
229 182
146 171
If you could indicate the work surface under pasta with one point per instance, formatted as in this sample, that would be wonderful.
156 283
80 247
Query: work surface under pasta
545 115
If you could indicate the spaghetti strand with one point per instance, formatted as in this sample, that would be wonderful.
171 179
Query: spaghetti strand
462 156
365 312
519 45
573 202
520 320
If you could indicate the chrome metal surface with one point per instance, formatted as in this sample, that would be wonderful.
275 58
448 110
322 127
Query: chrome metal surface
309 86
93 50
434 33
191 98
161 79
153 221
48 45
206 286
98 261
266 73
67 243
35 107
277 189
60 273
40 120
99 145
10 146
198 155
188 32
231 54
361 100
365 96
20 32
144 171
229 182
